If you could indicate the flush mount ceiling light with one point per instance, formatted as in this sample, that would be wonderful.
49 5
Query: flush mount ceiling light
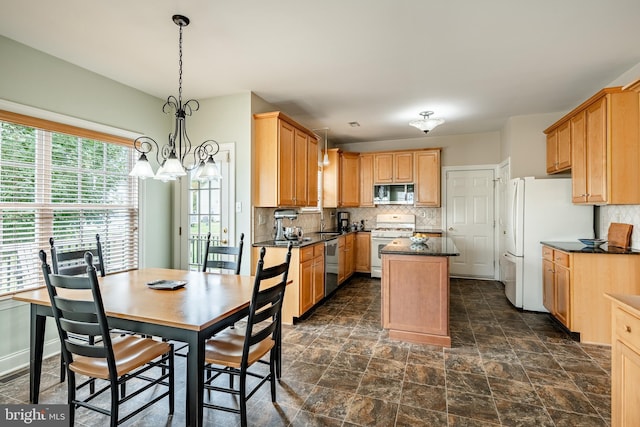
425 124
177 156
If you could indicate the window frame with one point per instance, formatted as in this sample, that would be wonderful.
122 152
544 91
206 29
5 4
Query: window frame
130 209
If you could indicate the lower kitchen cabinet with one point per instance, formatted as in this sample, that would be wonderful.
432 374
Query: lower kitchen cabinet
625 361
306 273
574 287
556 284
346 260
363 252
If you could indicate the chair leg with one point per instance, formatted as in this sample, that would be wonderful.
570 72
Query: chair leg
243 399
71 396
115 400
272 373
63 368
92 385
171 381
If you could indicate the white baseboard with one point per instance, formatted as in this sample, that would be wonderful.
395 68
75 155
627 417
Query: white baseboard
19 360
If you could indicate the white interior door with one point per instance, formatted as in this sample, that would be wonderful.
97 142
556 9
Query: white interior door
205 207
470 221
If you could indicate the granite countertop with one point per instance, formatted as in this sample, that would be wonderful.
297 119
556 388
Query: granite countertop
435 246
577 247
308 239
427 230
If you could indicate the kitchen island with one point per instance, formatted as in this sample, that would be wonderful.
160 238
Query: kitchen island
415 290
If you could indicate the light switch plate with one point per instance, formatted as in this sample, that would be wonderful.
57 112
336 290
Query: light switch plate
238 207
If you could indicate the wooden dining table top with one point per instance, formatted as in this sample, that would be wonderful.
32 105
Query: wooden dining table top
206 298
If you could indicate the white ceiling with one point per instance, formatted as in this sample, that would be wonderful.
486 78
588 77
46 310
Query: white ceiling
330 62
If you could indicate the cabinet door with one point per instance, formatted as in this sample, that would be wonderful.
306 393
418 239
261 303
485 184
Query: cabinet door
383 168
349 255
286 172
366 180
318 278
552 151
363 252
349 181
306 286
312 172
563 153
597 151
547 285
403 167
562 295
579 157
625 381
427 184
300 167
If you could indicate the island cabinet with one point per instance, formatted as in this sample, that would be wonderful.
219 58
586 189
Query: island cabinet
392 168
366 180
341 180
559 148
415 290
575 282
363 252
286 162
625 360
427 183
604 134
306 273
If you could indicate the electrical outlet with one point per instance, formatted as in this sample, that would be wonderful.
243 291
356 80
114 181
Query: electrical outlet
261 219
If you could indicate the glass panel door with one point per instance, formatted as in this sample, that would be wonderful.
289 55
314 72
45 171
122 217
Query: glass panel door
207 207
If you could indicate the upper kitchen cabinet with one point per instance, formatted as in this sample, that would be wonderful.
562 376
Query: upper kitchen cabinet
286 159
366 180
559 148
341 180
392 168
427 183
605 148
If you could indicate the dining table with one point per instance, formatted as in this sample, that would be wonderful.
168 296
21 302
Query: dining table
206 304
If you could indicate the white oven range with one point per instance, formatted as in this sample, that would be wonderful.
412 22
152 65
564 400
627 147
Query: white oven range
388 227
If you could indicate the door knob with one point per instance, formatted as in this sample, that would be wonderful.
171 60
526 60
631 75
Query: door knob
224 241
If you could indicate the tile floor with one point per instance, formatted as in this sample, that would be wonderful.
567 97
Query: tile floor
505 367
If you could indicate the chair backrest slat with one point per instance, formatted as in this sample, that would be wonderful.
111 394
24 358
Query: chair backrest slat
217 251
79 327
86 350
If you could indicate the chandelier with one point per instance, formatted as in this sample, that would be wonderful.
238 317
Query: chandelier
178 156
425 124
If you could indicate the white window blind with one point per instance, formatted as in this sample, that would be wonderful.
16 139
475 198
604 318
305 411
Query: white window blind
67 183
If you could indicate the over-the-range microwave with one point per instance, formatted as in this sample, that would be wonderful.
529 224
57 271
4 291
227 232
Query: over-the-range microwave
393 194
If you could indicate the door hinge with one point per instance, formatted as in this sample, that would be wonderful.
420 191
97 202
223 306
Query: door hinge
179 231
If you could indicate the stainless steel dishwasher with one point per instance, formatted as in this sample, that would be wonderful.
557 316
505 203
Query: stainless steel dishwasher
331 255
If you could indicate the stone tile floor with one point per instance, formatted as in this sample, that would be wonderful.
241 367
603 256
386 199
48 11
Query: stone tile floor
505 367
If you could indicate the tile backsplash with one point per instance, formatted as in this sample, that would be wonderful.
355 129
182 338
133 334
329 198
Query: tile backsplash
426 218
627 214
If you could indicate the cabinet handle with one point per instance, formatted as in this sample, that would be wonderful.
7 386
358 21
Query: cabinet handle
627 328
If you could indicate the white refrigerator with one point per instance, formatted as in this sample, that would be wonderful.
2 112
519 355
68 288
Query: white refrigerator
537 210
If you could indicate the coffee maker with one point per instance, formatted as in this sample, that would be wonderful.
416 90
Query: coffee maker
343 221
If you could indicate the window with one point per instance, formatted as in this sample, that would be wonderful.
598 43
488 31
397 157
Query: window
63 182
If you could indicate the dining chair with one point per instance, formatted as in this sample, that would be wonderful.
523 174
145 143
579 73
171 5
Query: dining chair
115 360
232 353
71 263
213 256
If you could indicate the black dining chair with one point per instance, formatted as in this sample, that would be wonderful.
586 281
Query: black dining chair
216 257
77 307
230 353
71 263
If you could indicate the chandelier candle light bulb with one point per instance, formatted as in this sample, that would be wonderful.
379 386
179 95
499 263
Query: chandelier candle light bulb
178 156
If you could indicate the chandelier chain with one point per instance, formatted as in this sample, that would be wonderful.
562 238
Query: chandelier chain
180 68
